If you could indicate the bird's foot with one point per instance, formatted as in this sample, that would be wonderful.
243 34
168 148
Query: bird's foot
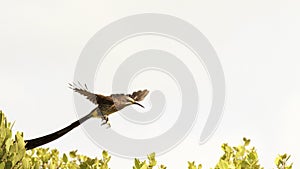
106 121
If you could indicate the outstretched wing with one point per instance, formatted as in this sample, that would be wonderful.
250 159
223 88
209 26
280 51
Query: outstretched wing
84 91
139 95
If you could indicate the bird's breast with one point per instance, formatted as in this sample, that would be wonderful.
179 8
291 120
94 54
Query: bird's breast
108 109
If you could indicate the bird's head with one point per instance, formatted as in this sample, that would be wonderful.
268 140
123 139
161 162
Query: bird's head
130 101
122 100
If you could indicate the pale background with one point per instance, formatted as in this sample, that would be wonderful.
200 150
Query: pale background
256 41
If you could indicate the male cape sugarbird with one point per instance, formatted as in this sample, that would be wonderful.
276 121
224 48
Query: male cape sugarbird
106 105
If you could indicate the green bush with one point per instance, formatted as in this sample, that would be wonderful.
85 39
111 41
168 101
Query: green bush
14 155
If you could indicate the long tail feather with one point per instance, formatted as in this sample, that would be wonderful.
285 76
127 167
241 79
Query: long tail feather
33 143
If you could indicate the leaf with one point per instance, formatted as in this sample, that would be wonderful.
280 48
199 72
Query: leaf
223 164
277 161
162 167
105 154
144 166
191 165
8 165
73 154
152 161
2 165
246 141
65 158
136 163
26 163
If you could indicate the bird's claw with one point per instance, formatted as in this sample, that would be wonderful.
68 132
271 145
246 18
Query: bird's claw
106 123
105 119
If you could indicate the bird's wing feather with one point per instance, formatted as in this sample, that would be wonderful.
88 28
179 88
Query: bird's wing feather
90 96
139 95
104 100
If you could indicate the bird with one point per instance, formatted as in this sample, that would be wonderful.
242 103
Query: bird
106 105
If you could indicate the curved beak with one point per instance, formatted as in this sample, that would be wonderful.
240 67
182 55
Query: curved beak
138 104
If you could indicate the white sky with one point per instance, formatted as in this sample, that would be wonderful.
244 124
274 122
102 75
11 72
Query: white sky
256 41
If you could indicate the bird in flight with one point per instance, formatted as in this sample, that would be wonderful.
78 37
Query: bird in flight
106 105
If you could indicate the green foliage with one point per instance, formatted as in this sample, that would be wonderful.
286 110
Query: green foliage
150 165
45 158
239 157
192 165
12 151
14 155
242 157
281 162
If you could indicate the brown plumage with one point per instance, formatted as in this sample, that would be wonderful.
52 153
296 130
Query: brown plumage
110 104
